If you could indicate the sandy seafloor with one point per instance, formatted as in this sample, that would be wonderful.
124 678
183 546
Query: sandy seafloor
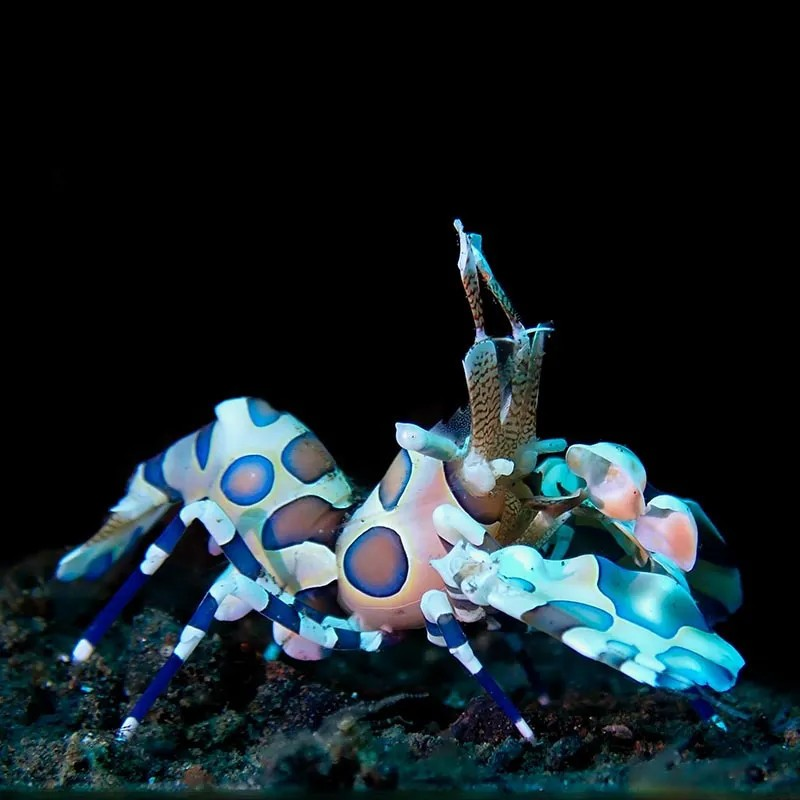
407 719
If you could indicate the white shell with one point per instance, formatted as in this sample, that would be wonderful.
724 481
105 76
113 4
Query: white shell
614 475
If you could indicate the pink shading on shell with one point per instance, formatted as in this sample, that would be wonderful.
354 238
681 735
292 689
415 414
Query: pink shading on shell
615 478
669 528
412 520
302 649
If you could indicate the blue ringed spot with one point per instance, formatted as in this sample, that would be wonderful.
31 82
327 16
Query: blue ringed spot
376 562
202 444
248 480
261 412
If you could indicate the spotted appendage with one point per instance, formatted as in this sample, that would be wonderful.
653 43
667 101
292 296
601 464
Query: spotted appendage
266 471
645 625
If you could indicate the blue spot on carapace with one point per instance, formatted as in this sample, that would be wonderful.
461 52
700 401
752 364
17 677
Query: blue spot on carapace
585 616
154 475
202 444
248 480
519 583
695 668
308 518
99 566
395 480
654 602
376 562
306 458
261 412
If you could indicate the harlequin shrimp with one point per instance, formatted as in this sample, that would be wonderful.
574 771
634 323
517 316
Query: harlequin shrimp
469 523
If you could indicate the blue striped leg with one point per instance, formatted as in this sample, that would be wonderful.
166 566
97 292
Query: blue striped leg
444 630
155 556
706 710
261 592
191 635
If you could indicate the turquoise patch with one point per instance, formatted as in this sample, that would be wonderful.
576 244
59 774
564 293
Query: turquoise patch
695 668
585 615
617 653
654 602
519 583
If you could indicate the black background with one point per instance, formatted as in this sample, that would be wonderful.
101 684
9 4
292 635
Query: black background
332 291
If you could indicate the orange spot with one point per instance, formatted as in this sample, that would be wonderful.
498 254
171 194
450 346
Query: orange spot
248 479
307 458
308 518
673 535
376 562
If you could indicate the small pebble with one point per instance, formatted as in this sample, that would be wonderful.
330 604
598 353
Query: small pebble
619 731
